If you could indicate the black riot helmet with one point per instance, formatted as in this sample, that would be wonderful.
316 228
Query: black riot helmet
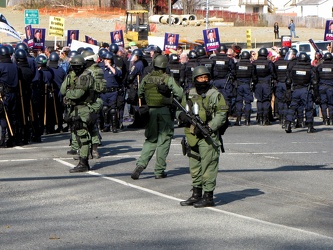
21 46
41 61
245 55
21 55
108 55
4 51
303 57
138 53
54 57
156 49
101 52
160 62
328 56
263 52
222 48
173 58
200 51
192 54
11 49
284 51
291 54
72 53
114 48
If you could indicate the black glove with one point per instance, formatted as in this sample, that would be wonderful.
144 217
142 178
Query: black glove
164 90
183 118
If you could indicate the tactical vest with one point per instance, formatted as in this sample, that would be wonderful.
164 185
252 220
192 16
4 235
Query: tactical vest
85 82
281 67
174 69
191 64
262 66
152 96
221 66
301 74
244 69
205 111
99 83
325 70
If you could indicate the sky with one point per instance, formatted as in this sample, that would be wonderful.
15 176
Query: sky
279 3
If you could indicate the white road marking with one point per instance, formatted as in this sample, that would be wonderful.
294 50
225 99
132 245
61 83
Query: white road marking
210 208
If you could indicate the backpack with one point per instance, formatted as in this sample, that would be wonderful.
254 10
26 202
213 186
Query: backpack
99 83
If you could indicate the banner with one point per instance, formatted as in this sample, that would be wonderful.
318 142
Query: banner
56 26
72 35
7 28
117 37
328 36
211 38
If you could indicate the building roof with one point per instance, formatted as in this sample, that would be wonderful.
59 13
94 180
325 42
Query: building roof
311 2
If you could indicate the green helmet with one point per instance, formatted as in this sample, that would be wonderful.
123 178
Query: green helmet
88 55
199 71
160 62
77 60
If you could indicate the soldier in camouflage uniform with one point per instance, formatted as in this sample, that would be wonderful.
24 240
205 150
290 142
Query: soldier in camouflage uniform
156 88
204 154
78 93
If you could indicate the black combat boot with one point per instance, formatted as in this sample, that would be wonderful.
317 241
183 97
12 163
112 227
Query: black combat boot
206 201
136 173
238 121
267 121
247 120
288 127
196 197
311 129
326 121
94 152
2 142
83 166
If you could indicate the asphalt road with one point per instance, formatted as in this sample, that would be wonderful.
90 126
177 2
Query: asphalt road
274 191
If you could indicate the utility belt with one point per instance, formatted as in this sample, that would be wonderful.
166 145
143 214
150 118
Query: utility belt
113 89
299 86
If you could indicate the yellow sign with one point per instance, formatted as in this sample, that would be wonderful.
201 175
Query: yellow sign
56 26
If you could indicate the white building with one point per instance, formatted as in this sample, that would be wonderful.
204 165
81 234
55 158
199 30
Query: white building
304 8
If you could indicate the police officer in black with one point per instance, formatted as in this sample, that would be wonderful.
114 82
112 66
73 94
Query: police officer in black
173 67
42 100
204 59
25 76
281 67
263 89
246 76
224 72
8 92
304 90
31 59
58 76
186 70
325 80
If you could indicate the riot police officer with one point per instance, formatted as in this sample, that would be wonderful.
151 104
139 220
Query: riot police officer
208 103
23 107
246 77
303 79
203 59
186 70
110 111
325 80
156 88
8 92
173 68
154 52
224 73
59 75
281 67
263 89
133 80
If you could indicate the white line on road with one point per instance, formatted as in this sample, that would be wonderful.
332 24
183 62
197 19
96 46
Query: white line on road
176 199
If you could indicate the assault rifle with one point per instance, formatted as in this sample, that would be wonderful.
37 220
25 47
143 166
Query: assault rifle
198 123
